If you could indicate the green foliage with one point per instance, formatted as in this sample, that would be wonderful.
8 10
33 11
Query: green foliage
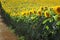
47 27
21 38
35 28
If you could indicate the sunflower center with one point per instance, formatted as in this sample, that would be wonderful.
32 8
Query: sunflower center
58 9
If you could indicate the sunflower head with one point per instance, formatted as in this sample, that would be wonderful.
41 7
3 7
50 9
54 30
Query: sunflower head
23 13
57 10
46 14
46 8
27 13
39 13
40 8
31 11
35 12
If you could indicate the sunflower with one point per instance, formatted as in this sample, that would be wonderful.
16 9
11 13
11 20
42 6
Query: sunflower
39 13
27 13
40 8
32 11
45 8
35 11
46 14
23 13
57 10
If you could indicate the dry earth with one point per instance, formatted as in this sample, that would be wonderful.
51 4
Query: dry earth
5 32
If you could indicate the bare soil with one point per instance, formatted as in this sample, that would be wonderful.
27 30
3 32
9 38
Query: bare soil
5 32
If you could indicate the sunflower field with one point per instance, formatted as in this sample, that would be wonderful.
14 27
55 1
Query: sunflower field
31 21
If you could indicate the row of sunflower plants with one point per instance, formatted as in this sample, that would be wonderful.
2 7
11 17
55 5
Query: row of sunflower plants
41 24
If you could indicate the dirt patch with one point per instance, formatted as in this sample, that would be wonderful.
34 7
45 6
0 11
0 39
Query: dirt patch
5 32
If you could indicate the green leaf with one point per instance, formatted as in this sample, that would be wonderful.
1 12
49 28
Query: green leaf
45 21
55 17
21 38
58 23
51 20
47 27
